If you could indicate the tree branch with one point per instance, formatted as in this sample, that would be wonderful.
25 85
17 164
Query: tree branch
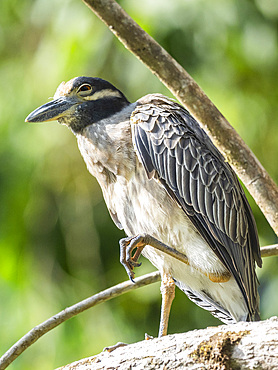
38 331
180 83
269 250
245 345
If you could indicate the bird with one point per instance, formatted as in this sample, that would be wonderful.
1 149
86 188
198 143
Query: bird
173 193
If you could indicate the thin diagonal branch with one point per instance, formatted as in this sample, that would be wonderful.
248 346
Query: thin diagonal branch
269 250
181 84
38 331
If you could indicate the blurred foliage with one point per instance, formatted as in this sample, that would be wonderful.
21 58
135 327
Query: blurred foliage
57 242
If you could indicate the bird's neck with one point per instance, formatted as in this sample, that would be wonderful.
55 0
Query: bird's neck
106 146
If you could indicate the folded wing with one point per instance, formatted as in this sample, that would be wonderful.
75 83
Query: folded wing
177 152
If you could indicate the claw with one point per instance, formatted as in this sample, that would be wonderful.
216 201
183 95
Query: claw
129 270
131 274
131 278
127 246
115 346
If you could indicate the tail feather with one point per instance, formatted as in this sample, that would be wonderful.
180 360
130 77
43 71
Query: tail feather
203 300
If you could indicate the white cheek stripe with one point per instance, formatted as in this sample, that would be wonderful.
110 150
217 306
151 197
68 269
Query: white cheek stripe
103 94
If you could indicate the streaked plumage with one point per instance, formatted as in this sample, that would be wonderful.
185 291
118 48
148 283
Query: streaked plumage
161 175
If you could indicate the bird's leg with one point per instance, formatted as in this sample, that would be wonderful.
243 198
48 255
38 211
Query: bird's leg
129 244
167 289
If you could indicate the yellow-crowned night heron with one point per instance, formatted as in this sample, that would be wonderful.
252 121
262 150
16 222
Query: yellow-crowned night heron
165 182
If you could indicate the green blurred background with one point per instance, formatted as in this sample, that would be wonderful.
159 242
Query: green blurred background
58 244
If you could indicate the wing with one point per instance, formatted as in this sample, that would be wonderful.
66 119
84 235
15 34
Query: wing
175 150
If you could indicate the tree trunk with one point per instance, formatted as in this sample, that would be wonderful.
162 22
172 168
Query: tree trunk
237 346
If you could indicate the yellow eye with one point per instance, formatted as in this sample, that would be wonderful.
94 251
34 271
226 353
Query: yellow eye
84 88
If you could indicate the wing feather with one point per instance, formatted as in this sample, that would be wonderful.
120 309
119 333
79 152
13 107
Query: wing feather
172 146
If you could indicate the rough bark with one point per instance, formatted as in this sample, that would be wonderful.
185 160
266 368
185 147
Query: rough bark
236 346
185 89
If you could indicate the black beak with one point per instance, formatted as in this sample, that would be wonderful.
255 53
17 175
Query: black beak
51 111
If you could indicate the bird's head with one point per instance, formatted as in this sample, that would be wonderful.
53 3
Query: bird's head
81 102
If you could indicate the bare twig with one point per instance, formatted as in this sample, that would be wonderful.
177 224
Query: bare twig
269 250
181 84
38 331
